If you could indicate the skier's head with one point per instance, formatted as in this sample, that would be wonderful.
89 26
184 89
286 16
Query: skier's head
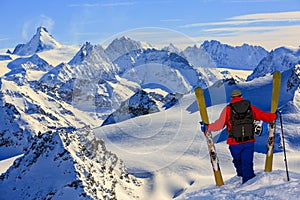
236 93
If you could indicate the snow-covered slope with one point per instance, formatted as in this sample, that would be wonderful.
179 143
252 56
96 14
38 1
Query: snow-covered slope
264 186
14 137
34 62
168 150
59 55
25 112
27 69
68 164
41 41
166 70
280 59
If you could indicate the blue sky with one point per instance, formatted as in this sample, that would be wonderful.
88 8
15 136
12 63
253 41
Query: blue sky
269 23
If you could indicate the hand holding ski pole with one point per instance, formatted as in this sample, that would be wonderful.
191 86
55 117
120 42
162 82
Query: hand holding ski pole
204 128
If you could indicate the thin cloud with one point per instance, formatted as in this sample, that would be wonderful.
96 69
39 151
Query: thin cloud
251 19
171 20
114 4
4 39
268 37
251 1
83 5
32 24
250 29
279 16
215 24
46 22
87 33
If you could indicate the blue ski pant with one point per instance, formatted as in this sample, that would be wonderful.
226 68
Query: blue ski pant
242 155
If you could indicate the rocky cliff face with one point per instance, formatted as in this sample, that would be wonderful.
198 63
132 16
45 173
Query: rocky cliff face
68 163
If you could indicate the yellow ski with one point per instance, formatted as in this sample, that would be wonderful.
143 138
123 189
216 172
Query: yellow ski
272 126
210 142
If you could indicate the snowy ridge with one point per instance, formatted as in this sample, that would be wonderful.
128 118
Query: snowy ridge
142 103
160 67
14 138
123 45
240 57
74 165
199 57
171 48
90 78
30 63
91 62
41 41
27 69
280 59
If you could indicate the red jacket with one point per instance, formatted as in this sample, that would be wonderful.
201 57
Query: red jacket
225 116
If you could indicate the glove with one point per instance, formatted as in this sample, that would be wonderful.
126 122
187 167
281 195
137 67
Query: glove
278 113
204 127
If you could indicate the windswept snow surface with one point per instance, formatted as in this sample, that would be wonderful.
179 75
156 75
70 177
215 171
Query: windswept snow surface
264 186
168 150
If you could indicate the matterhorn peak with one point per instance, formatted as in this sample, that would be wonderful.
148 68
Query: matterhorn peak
41 41
41 29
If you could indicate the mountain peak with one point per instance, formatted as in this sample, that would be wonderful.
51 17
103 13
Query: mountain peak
41 41
41 29
123 45
89 52
172 48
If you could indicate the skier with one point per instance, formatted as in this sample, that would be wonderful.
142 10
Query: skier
238 117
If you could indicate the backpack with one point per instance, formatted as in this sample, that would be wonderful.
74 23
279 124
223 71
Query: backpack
242 121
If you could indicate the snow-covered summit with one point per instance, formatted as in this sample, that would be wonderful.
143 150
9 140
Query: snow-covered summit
91 62
168 71
239 57
172 48
280 59
199 57
123 45
41 41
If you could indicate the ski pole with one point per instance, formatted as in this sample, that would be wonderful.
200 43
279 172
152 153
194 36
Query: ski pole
285 159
